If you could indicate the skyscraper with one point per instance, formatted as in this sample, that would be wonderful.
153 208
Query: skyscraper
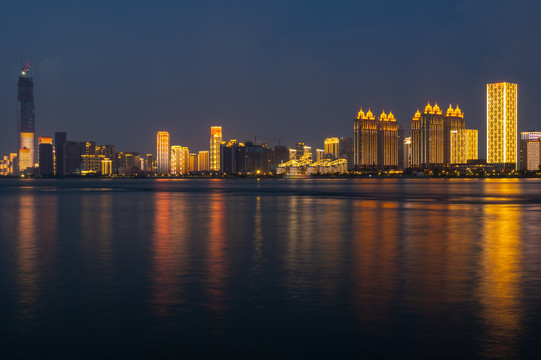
162 153
430 137
45 156
203 161
453 121
215 143
463 146
176 160
25 120
365 140
60 139
502 124
387 148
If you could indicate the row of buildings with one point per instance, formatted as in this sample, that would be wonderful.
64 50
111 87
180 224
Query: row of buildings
437 139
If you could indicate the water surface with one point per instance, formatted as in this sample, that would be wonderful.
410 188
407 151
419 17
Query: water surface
241 268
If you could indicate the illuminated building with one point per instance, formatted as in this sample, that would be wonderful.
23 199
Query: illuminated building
193 163
299 153
332 146
401 131
233 156
320 154
306 152
60 139
407 152
529 156
185 153
463 146
45 156
203 161
107 151
346 150
163 153
502 124
427 137
292 154
106 167
453 121
25 120
215 143
365 140
176 160
149 164
387 141
8 165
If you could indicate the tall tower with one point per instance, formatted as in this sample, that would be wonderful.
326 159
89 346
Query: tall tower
427 137
365 141
502 123
215 143
387 147
163 153
25 120
332 146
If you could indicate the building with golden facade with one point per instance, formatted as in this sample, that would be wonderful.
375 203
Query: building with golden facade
203 161
163 153
502 124
215 143
453 121
332 147
365 140
387 141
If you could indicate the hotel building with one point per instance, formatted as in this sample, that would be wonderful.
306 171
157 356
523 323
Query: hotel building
502 124
163 153
215 143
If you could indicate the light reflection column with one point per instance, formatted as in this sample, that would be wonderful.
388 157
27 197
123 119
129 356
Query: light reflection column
499 289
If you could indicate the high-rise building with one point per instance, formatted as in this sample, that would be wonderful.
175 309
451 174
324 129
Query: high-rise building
346 150
149 164
401 133
299 153
502 124
72 157
163 153
215 143
185 165
257 158
365 140
193 163
203 161
472 144
306 153
25 120
387 141
60 139
176 160
453 121
529 158
292 154
332 147
428 141
407 152
232 157
45 156
463 146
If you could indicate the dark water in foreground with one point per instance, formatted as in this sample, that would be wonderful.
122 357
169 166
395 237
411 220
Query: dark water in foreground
270 269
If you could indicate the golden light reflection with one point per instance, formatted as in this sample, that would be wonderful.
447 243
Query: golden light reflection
499 288
217 263
375 252
170 258
27 255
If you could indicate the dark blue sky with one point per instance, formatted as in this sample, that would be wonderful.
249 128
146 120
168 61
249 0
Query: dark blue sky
116 72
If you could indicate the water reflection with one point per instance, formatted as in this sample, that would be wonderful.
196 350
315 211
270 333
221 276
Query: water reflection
216 262
170 257
499 288
27 255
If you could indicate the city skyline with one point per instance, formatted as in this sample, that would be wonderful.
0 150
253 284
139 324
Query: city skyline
301 68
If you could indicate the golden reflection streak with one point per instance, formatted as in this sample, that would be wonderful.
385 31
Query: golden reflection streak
217 264
375 251
499 289
27 255
169 253
258 238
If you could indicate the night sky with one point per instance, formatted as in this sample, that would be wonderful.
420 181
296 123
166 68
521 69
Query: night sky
117 72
